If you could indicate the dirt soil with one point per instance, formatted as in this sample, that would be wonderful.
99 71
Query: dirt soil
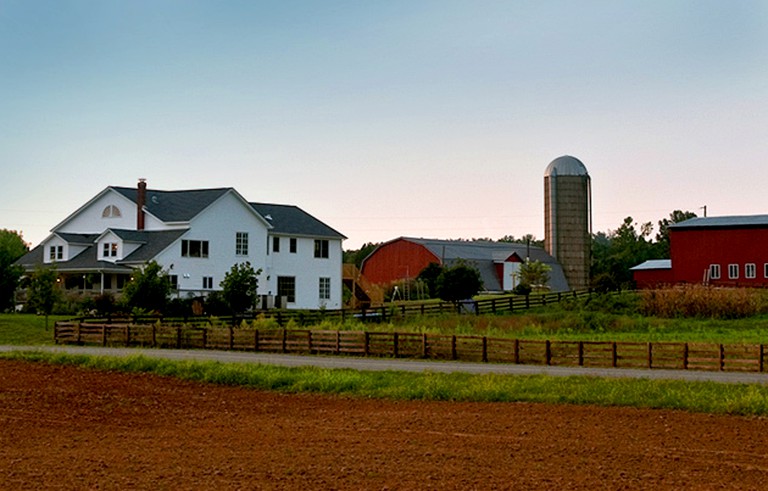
65 427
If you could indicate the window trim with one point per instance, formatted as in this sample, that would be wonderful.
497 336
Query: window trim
714 271
293 245
750 271
733 271
275 244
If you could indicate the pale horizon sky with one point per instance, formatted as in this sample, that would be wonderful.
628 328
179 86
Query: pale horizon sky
428 118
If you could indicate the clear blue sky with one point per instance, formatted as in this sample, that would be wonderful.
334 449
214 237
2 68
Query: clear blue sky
432 118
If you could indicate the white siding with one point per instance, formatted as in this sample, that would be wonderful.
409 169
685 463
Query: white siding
218 225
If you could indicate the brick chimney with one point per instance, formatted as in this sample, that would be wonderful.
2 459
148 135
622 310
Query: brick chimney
141 200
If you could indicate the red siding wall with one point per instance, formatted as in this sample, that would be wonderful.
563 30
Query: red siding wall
653 278
693 250
397 260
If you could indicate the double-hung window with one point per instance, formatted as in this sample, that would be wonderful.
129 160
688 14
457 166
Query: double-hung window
325 288
56 253
714 271
750 270
733 271
292 245
321 248
207 282
241 244
109 249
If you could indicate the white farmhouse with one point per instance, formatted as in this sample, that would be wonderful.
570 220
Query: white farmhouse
196 236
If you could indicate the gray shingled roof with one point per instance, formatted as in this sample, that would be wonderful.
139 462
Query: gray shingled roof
154 242
175 206
724 221
483 256
292 220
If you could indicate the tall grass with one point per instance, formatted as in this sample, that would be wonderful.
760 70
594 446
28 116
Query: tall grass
700 301
707 397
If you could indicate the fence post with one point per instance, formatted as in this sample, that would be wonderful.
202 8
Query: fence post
154 335
205 337
527 301
614 355
760 361
485 349
395 345
366 343
231 338
581 353
477 308
685 356
722 358
256 340
424 345
650 355
338 342
512 303
493 306
517 351
127 335
178 338
548 352
104 335
284 343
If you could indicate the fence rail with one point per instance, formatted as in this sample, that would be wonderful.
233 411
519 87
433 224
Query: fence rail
494 305
670 355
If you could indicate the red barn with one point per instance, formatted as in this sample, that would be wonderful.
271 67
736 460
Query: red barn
719 251
404 258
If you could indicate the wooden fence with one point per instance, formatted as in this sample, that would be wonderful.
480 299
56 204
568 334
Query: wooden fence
685 356
385 313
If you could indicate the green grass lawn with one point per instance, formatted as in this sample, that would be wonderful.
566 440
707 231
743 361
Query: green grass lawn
26 329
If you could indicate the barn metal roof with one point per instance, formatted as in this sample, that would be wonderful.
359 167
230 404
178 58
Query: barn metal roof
653 264
723 221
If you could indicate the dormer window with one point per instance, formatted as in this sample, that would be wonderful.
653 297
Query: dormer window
56 253
109 249
111 211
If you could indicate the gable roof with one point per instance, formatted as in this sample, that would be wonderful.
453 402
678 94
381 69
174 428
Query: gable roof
735 221
292 220
175 206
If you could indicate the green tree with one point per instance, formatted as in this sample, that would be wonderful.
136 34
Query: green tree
12 247
149 289
614 253
662 237
239 287
534 275
44 290
429 276
458 282
356 256
527 239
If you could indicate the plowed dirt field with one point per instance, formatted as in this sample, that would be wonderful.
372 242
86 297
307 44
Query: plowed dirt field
65 427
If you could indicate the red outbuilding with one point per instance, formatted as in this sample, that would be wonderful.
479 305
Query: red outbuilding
718 251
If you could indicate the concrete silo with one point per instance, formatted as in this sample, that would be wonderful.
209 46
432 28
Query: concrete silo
568 218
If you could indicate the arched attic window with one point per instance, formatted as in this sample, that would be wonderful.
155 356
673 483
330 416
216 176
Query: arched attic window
111 211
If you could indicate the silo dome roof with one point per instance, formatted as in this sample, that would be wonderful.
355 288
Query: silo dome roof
566 166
